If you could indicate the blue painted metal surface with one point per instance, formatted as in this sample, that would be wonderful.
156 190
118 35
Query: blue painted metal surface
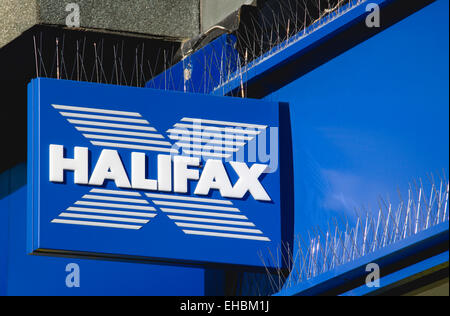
208 227
368 122
295 48
357 269
37 275
402 274
5 189
363 124
202 71
218 69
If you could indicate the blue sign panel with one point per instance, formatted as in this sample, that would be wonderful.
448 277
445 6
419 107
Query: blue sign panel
146 174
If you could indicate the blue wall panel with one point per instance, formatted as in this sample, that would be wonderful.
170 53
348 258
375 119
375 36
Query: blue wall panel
364 124
371 120
35 275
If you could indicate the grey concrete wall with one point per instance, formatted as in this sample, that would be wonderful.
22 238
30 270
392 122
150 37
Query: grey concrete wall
16 16
179 19
172 18
214 11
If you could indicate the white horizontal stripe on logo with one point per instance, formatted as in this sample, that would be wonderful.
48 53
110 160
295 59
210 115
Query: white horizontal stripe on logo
110 212
114 199
93 110
115 205
208 220
105 218
180 211
212 135
117 132
187 198
116 192
138 147
225 235
205 153
191 205
202 121
207 147
126 139
104 118
99 224
125 126
207 141
215 227
228 130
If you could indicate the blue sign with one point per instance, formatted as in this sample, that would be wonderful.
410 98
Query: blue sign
146 174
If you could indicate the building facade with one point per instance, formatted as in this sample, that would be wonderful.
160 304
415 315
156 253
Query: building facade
366 83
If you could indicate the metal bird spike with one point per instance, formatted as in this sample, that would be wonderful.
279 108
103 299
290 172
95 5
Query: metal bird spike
262 33
274 27
328 247
98 61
